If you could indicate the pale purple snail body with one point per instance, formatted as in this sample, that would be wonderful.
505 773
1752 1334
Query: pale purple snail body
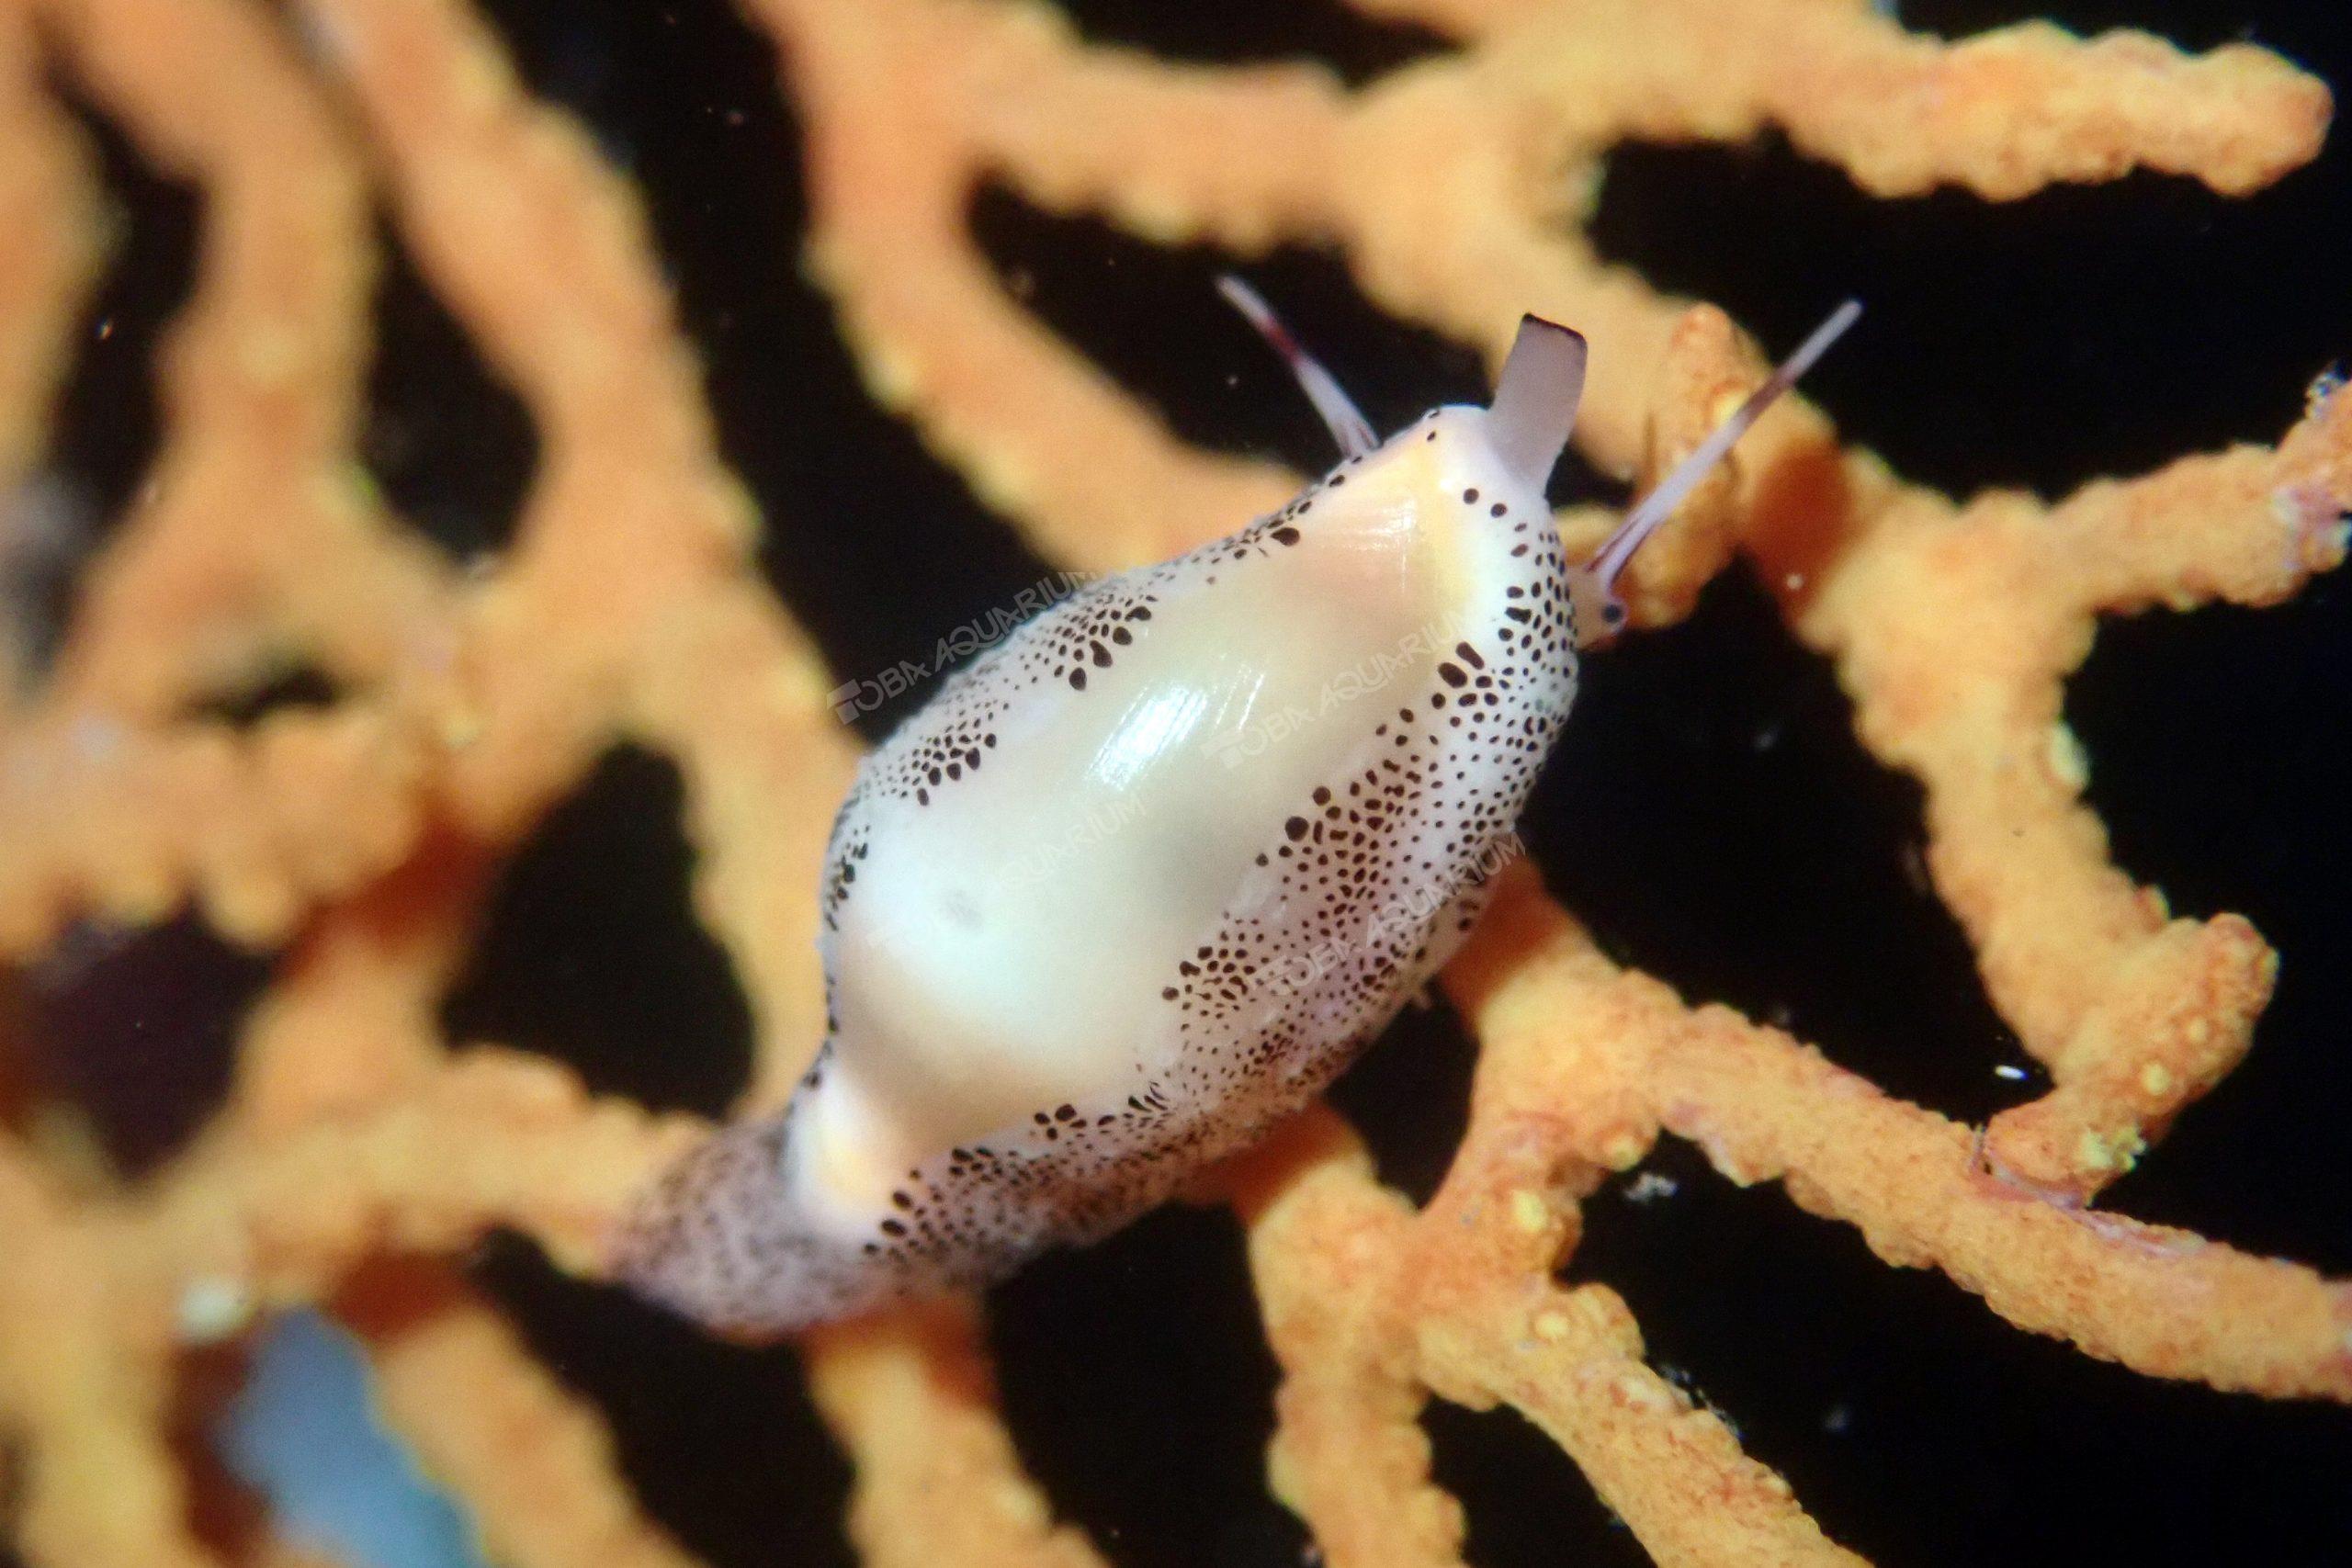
1144 878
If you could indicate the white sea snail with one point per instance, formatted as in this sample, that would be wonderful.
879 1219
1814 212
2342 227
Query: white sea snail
1144 878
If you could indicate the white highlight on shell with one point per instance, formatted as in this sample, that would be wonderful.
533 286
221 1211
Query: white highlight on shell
1146 875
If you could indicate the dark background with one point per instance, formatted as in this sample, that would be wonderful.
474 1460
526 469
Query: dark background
1710 812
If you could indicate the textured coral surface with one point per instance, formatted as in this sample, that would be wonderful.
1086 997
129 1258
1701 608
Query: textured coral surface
311 689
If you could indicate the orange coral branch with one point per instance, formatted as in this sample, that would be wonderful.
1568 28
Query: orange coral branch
49 248
494 1139
2135 1014
350 1021
82 1395
1571 1362
126 822
913 1398
1367 1306
257 530
630 510
1349 1455
533 1463
2162 1301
